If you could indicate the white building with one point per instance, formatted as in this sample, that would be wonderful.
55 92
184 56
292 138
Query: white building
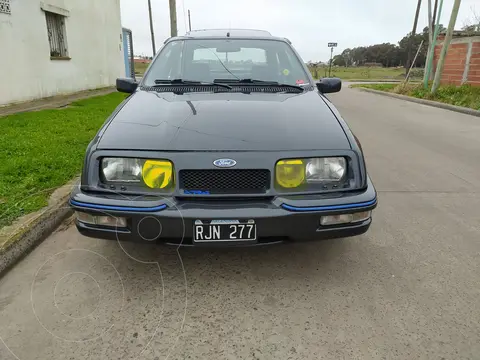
54 47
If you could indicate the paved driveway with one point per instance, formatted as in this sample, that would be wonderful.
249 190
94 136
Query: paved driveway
408 289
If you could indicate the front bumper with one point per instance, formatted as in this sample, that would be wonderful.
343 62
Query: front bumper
171 220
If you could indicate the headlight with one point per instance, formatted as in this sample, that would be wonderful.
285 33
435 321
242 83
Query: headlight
292 173
122 169
156 174
325 169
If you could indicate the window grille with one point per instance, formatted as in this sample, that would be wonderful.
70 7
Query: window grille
5 7
56 34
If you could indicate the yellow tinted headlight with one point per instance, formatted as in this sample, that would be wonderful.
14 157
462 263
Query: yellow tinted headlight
290 173
157 174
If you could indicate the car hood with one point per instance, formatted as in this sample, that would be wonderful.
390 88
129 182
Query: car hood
224 122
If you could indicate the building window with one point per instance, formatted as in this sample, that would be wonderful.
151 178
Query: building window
5 7
57 36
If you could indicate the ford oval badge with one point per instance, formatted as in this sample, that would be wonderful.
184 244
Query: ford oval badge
224 163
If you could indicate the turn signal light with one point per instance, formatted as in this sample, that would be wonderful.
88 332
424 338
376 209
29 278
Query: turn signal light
103 220
345 218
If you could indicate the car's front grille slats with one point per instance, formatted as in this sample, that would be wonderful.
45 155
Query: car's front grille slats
225 181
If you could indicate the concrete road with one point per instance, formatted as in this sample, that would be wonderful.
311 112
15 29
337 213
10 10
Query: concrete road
408 289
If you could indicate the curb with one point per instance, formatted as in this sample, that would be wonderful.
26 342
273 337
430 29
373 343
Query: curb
381 81
35 227
374 81
437 104
53 102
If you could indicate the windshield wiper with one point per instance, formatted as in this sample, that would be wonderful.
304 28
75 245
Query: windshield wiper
160 82
257 82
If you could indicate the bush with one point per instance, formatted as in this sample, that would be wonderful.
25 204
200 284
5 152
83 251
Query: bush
417 73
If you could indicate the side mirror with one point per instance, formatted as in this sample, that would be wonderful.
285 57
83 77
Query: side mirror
126 85
329 85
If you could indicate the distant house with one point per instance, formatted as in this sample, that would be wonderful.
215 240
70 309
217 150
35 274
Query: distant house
462 63
55 47
373 64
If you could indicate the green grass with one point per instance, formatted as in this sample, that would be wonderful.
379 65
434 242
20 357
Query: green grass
42 150
465 95
140 68
362 73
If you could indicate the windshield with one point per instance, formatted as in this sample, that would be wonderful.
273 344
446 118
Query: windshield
227 60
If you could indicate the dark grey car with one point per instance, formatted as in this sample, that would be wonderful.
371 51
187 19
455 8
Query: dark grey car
227 140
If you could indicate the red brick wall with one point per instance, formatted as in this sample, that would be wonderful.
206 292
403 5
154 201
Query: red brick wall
455 61
474 71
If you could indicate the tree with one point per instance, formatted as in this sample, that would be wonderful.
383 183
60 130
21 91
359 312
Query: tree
416 40
347 57
358 55
386 54
339 60
382 53
415 43
473 24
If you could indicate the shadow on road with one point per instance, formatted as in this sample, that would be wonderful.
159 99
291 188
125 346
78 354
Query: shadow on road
298 260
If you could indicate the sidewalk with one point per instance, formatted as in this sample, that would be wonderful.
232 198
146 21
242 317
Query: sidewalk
53 101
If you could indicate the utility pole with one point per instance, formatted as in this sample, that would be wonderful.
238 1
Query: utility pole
446 43
435 7
173 17
331 60
331 46
426 75
428 66
414 31
430 22
189 21
152 35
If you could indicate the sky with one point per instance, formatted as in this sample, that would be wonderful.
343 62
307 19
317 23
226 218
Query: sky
309 24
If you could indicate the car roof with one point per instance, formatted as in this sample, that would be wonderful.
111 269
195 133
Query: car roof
232 32
228 33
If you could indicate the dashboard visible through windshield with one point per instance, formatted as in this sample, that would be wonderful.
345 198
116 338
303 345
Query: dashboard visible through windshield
227 60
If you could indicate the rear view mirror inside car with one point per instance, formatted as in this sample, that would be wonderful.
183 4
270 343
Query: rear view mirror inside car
228 49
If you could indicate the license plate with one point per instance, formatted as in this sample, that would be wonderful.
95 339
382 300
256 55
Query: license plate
224 230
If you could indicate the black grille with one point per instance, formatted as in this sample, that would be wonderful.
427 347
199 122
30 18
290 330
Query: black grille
227 181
